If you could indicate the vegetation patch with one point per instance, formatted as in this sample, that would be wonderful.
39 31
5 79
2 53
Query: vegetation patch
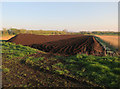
101 70
12 50
27 67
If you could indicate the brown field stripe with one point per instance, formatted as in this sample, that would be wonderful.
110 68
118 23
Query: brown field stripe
82 44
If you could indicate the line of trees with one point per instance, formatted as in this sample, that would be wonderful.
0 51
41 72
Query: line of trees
99 33
14 31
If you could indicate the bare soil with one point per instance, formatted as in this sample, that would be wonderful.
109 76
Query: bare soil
61 44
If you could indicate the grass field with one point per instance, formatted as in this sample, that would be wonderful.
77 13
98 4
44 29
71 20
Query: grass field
112 40
27 67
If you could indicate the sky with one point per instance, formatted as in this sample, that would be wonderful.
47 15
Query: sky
72 16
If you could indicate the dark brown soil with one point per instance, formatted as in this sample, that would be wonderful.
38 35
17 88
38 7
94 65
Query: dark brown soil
61 44
72 46
29 39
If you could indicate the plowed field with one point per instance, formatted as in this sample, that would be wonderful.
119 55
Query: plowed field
61 44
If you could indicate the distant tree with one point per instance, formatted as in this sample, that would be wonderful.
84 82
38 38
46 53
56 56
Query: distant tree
5 32
23 31
52 32
14 31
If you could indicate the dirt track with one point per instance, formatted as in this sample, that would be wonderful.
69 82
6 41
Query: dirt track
61 44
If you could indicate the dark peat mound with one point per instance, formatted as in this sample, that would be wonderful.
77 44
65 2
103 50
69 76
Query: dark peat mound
61 44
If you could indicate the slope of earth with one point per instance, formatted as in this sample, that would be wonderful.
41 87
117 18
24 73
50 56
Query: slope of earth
21 75
27 67
72 46
61 44
29 39
34 69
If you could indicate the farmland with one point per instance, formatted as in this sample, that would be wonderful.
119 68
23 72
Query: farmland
72 46
26 64
61 44
113 40
27 67
6 37
58 61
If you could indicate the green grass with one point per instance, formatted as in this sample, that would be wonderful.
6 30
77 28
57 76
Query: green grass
5 70
34 59
12 50
101 70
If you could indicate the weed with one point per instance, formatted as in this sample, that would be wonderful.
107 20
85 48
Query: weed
5 70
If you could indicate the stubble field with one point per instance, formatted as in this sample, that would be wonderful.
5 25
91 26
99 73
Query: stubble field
112 40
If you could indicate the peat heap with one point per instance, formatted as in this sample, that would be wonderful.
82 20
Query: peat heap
73 46
61 44
29 39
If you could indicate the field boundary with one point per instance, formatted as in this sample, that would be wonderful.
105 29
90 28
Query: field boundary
110 50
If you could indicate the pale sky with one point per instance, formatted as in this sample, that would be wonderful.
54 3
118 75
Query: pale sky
73 16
